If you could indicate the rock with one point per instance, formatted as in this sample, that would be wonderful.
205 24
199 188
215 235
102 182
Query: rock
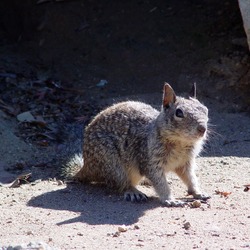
187 225
116 234
196 204
122 229
245 12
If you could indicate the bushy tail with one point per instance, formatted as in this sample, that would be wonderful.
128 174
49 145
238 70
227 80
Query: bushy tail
71 158
72 167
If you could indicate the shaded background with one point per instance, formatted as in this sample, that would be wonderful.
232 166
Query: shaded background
133 45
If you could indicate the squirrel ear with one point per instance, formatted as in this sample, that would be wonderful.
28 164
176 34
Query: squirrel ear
193 91
169 96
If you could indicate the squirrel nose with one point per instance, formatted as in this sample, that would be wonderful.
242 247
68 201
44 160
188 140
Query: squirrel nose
201 129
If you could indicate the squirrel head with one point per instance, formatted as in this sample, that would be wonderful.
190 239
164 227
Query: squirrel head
184 118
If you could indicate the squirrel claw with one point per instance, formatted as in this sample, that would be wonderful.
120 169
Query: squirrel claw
174 203
202 197
135 196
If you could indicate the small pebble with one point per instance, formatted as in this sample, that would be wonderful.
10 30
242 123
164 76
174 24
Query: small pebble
116 234
196 204
122 229
187 225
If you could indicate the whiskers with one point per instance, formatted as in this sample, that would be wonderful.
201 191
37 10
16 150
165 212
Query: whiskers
211 143
211 131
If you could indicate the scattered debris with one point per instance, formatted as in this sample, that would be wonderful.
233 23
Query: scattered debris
196 204
21 179
13 111
186 225
171 234
116 234
42 107
25 117
247 187
30 233
215 234
102 83
223 193
139 245
28 117
122 229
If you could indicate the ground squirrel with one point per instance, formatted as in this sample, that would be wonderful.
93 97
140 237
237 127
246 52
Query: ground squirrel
131 140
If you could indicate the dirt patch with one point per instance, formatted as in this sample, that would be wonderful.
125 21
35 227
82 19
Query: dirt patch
78 217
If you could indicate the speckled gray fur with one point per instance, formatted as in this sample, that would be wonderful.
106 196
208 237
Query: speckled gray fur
131 140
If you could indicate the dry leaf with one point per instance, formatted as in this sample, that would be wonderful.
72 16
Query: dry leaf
28 117
24 178
43 143
223 193
10 110
25 117
39 121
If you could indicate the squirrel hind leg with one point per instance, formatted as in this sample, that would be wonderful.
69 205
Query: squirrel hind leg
134 195
125 180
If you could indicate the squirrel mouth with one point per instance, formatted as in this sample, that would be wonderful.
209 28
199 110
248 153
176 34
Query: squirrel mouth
201 130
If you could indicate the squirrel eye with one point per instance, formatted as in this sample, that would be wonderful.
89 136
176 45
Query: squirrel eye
179 113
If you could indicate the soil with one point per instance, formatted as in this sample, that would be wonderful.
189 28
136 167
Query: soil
101 53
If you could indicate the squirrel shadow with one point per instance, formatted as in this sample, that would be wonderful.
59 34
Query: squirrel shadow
96 205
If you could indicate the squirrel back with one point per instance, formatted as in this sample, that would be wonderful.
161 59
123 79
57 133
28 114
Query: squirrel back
131 140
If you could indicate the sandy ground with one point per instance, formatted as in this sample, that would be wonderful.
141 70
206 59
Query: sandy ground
75 216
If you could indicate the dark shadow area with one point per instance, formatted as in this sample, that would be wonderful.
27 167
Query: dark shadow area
133 45
229 133
221 147
96 205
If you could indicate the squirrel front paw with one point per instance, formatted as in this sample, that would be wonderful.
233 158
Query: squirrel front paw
173 203
202 197
197 194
